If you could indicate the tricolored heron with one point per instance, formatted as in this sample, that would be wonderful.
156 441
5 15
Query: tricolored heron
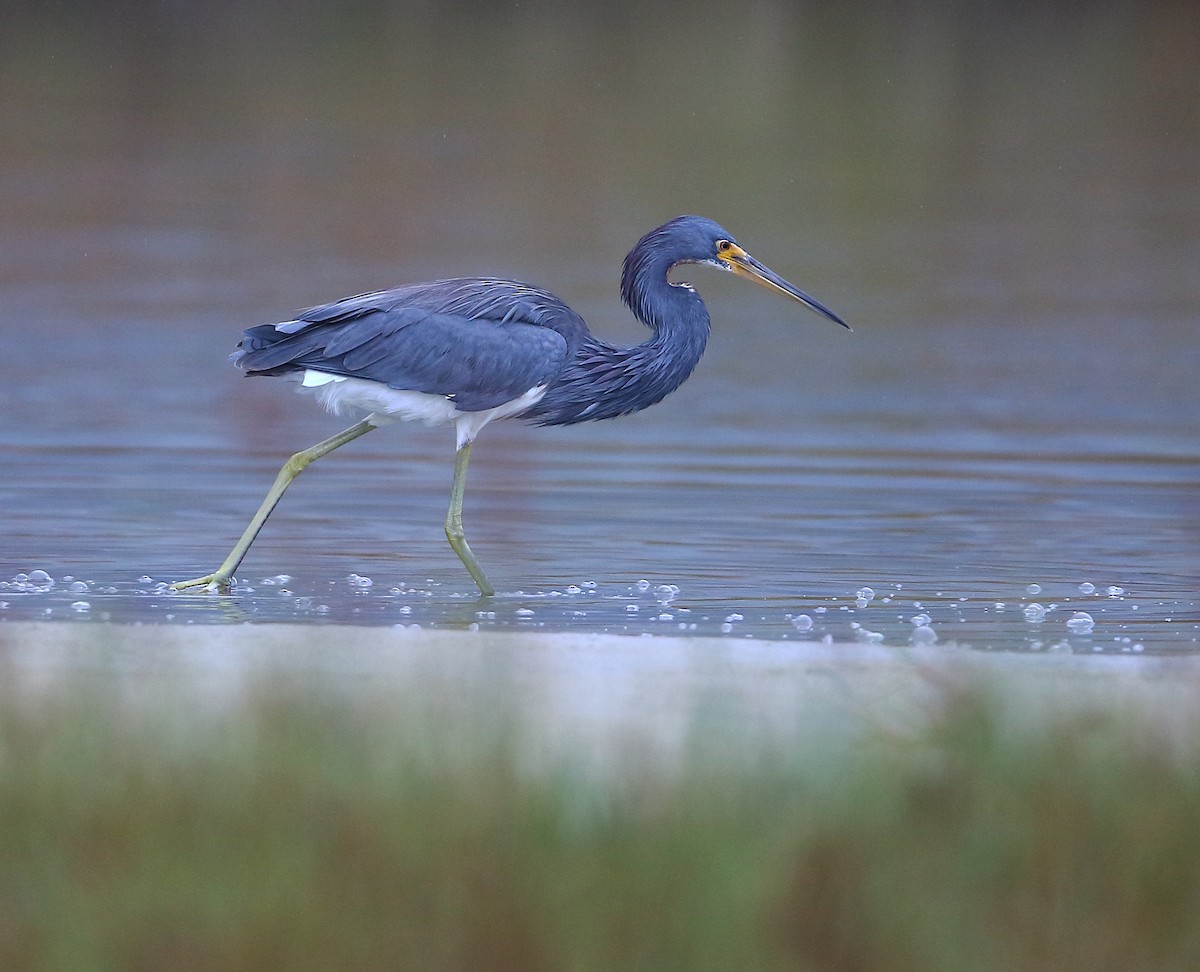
472 350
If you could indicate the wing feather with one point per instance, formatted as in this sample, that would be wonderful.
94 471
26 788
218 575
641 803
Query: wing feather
478 341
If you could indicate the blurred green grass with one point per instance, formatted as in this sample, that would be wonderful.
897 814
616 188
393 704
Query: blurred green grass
303 826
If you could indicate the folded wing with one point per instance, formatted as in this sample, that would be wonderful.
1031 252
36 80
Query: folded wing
479 342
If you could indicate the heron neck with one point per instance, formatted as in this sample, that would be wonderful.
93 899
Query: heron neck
603 380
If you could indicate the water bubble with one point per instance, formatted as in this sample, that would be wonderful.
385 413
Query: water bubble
78 587
589 585
802 622
145 579
999 605
81 606
922 634
665 617
405 609
642 585
574 589
359 581
920 620
735 617
665 593
1034 613
862 634
726 628
35 582
1033 589
863 596
1110 591
632 608
1086 588
1081 622
524 612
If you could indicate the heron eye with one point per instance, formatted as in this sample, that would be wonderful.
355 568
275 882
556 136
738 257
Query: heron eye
724 246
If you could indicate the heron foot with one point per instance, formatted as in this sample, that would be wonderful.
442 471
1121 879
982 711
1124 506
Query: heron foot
216 581
458 542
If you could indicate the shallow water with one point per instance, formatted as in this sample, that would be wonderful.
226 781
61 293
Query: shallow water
1003 209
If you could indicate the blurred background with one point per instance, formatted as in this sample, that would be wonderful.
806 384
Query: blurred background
1000 198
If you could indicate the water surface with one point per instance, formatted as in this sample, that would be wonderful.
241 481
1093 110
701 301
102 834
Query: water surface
1003 206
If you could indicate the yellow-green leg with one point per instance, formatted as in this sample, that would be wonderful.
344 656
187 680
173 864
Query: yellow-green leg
454 527
221 577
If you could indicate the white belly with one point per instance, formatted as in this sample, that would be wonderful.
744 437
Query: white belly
386 405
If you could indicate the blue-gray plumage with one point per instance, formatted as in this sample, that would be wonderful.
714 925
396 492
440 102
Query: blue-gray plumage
470 350
422 338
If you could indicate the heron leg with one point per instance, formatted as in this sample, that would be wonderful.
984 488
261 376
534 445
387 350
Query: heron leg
221 577
454 527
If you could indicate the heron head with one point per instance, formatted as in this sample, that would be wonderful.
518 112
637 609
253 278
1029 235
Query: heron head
728 255
696 239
